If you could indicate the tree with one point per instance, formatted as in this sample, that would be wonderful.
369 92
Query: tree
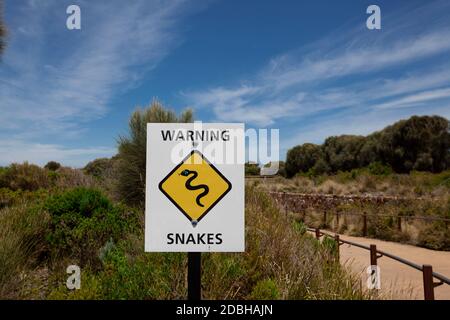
302 158
2 29
52 165
418 143
342 152
132 150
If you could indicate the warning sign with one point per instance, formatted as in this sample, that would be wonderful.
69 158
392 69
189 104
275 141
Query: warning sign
195 186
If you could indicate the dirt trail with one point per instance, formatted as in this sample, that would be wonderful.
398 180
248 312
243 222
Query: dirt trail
398 281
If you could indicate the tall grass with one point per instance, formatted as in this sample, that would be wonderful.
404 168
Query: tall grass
22 240
132 150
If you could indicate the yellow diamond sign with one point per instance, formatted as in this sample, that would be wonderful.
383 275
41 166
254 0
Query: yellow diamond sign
195 186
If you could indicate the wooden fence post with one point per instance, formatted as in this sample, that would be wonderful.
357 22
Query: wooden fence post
373 255
428 284
338 242
317 233
325 219
399 223
365 224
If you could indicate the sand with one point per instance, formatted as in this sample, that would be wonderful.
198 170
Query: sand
398 281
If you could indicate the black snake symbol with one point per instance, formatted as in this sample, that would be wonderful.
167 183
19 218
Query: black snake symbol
188 185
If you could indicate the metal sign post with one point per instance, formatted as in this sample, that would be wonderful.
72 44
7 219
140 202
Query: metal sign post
194 276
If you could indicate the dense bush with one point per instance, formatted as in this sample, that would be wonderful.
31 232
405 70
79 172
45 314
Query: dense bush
100 168
342 153
24 177
419 143
252 169
132 150
52 165
435 236
82 220
302 158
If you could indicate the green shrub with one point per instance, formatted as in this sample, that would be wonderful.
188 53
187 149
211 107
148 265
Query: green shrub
379 169
100 168
9 197
252 169
83 220
24 177
436 236
52 165
132 151
265 290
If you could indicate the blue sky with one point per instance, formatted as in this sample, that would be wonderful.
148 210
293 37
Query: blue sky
309 68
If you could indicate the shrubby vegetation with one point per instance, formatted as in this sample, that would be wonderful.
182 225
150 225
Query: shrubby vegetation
55 216
52 165
82 221
419 143
132 150
252 169
128 273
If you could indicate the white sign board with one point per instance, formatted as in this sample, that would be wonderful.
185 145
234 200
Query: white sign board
195 187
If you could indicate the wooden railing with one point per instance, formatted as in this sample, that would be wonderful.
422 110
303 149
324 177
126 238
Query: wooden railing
427 270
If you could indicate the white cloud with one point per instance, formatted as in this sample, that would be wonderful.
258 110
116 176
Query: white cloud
415 99
53 81
355 69
76 82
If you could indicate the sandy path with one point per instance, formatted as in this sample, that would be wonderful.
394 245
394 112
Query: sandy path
398 281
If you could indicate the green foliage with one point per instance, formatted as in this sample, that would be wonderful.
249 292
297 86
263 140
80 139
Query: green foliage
82 220
100 168
22 242
419 143
341 153
302 158
9 197
436 236
145 277
320 167
330 245
300 227
379 169
265 290
132 150
52 165
24 177
252 169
